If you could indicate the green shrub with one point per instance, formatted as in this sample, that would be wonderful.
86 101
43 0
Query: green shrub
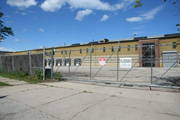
57 75
39 75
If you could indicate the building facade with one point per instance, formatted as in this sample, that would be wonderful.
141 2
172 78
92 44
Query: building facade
159 51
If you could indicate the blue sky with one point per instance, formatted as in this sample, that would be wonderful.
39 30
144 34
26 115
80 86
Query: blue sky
49 23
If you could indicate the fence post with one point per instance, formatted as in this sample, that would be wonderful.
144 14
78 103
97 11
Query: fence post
12 63
151 65
52 61
30 71
118 62
69 65
44 58
90 60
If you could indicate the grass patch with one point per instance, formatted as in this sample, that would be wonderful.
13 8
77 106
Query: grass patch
22 77
32 79
4 84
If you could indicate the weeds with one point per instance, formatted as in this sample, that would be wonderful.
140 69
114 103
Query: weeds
23 77
4 84
32 79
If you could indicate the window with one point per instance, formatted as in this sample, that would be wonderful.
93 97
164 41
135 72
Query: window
87 50
45 62
174 45
67 62
61 52
69 51
119 48
92 50
128 48
136 47
104 49
49 62
112 48
66 52
77 62
58 62
80 51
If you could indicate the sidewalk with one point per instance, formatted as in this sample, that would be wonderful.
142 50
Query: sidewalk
12 81
76 101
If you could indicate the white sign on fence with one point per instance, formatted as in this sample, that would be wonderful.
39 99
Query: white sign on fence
125 62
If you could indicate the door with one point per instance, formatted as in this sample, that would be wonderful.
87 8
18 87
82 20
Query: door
169 58
148 55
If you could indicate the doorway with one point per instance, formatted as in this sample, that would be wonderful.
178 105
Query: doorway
147 52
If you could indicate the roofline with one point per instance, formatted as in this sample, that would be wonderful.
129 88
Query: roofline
111 41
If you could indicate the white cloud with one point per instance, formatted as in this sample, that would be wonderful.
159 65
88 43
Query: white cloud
104 18
81 14
41 30
52 5
150 14
5 49
16 40
21 3
90 4
146 16
124 4
40 47
134 19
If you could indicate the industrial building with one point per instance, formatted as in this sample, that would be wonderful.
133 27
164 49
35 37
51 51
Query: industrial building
159 51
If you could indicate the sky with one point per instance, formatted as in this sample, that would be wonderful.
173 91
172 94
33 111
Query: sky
52 23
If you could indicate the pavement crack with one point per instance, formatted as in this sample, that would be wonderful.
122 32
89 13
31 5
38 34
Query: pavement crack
61 98
89 107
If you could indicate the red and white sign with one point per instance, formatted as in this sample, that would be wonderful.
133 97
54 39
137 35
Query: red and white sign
102 61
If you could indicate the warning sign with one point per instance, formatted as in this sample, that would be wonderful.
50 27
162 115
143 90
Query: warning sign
125 62
102 61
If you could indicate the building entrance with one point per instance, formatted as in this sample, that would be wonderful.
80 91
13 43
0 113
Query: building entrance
146 58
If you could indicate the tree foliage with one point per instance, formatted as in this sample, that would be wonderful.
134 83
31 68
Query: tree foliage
4 31
175 3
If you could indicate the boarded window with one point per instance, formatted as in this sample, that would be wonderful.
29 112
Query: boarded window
112 48
58 62
174 45
104 49
67 62
119 48
136 47
92 50
61 52
77 62
128 48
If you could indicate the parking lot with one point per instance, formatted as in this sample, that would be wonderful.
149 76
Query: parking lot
78 101
136 75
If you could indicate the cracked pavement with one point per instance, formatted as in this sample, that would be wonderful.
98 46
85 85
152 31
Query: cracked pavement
77 101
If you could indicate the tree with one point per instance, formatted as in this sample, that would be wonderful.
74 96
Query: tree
175 3
4 31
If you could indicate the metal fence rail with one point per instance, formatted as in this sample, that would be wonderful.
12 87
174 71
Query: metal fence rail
147 69
19 63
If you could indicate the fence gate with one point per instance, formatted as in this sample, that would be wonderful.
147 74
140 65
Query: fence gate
117 65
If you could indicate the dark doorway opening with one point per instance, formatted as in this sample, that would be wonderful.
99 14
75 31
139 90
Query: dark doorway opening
147 58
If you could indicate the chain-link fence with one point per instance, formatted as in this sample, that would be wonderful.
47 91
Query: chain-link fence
147 65
29 63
